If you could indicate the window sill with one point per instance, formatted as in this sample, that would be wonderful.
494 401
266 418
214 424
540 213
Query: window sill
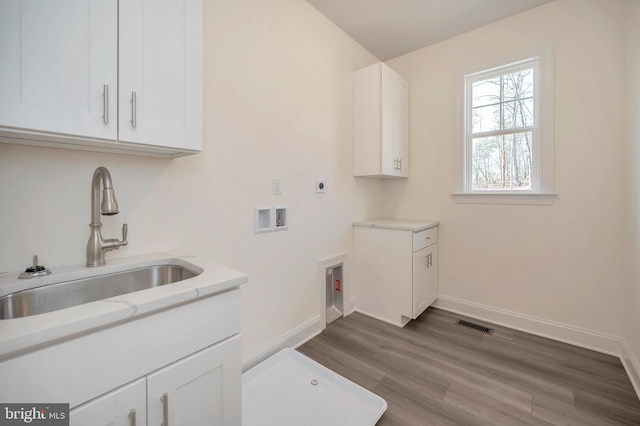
529 198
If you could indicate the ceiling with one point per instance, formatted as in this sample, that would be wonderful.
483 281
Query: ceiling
390 28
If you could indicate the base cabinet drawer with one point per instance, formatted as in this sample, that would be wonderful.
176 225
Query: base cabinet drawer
425 238
396 273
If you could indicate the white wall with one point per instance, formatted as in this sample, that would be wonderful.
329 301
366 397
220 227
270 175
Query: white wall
632 317
277 102
563 263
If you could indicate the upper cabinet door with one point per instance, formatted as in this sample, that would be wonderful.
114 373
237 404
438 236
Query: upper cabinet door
401 126
381 123
59 60
395 124
161 73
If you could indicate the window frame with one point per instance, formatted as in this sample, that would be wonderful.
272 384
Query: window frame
541 192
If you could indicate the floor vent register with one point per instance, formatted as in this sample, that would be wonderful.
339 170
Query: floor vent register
475 326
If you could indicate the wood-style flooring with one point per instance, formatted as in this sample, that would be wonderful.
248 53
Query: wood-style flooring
434 372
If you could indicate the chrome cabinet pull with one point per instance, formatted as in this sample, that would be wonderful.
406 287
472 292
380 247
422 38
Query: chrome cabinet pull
165 409
132 418
400 164
105 103
133 109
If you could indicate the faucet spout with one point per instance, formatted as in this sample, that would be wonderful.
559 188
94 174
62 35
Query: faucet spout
97 246
109 204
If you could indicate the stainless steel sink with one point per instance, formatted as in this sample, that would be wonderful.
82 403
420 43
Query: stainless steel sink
53 297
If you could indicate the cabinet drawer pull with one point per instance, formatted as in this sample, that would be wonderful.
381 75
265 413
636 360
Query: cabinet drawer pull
133 109
132 418
105 104
165 409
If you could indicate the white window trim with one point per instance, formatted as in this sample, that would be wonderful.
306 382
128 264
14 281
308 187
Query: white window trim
542 190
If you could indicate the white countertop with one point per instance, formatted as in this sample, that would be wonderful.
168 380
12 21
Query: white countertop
402 224
21 334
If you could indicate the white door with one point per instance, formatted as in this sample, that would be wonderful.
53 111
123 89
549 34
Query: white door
58 58
395 130
201 390
125 406
420 277
401 126
161 72
388 159
432 274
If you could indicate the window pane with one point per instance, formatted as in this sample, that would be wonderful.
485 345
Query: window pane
502 162
485 119
485 169
485 92
518 85
518 113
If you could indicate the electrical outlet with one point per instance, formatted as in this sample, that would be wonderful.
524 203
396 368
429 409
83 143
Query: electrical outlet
321 186
277 186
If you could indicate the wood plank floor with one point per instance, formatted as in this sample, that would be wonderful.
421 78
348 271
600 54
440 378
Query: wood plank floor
434 372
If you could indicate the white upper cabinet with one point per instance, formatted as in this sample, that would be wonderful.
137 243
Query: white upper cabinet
161 72
381 123
58 60
70 69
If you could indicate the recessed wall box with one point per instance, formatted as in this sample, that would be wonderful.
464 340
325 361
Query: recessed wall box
270 218
281 218
264 219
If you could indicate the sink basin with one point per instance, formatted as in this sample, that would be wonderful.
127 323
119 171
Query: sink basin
62 295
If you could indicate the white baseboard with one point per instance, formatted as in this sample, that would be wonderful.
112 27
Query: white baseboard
293 339
561 332
632 366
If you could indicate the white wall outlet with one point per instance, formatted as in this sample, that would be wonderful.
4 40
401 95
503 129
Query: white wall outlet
321 186
277 186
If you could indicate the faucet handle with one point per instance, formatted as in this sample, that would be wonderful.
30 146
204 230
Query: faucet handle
125 231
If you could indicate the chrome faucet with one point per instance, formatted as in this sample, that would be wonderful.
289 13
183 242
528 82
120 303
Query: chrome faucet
97 247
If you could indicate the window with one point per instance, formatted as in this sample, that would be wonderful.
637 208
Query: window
507 134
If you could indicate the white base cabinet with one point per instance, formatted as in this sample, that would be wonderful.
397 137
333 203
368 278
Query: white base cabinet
396 275
179 366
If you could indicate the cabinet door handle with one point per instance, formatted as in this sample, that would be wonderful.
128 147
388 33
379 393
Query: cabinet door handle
133 109
165 409
400 164
105 103
132 418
